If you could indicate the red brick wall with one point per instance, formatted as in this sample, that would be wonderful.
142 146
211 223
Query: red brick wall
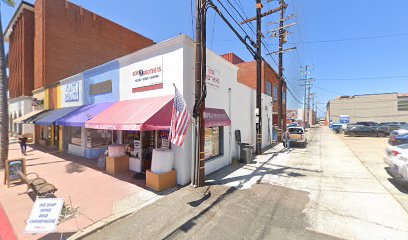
21 56
232 58
70 39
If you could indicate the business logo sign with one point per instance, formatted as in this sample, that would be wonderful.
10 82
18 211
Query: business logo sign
71 92
100 88
37 102
213 77
144 73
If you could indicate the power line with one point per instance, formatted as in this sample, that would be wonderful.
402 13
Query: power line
353 39
361 78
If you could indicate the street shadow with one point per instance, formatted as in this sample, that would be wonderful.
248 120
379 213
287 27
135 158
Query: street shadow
401 185
206 196
43 163
74 167
190 223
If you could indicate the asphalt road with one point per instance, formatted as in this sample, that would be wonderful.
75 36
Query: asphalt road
324 191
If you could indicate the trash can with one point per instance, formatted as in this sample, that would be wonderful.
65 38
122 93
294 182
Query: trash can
247 150
242 152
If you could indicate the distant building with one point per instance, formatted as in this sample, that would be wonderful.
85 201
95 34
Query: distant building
383 107
299 116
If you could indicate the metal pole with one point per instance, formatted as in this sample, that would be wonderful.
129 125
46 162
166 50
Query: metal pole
258 78
304 100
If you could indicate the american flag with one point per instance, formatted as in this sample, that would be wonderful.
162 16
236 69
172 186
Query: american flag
180 120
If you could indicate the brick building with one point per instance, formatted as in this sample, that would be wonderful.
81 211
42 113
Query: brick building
54 39
247 76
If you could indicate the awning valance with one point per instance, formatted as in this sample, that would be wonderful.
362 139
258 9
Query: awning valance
54 115
138 115
214 117
78 117
27 116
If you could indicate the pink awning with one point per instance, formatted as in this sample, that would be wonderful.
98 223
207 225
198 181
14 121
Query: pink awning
214 117
138 115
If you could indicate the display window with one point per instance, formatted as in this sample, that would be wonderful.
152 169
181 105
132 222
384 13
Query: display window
75 135
132 139
98 137
213 146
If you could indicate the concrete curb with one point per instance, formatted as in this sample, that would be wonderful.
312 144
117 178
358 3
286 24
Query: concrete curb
113 218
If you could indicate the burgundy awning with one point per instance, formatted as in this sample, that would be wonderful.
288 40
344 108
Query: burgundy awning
214 117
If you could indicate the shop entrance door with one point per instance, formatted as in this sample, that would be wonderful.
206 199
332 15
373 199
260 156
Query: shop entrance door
56 136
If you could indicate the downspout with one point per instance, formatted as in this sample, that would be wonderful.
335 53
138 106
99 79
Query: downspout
230 127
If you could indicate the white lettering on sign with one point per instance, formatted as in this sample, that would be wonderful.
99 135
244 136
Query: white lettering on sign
143 73
71 92
44 215
213 77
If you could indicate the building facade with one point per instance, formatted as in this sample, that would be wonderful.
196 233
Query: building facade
269 89
52 40
386 107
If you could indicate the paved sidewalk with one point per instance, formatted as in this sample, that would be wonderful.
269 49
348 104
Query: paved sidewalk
320 192
94 193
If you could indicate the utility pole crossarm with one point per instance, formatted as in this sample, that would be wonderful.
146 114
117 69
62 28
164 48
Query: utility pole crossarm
283 51
262 15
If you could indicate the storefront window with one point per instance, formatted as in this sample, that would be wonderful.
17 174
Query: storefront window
75 135
213 142
97 138
129 137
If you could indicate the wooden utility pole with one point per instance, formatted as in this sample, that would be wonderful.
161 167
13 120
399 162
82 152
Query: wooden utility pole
200 95
258 58
258 78
280 71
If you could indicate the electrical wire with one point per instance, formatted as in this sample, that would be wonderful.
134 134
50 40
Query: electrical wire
361 78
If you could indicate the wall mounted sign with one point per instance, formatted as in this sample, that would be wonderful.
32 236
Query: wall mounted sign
44 215
37 102
144 73
213 77
100 88
71 92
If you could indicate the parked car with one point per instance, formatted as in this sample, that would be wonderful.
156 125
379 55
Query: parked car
365 131
398 137
391 126
368 124
399 162
393 151
297 136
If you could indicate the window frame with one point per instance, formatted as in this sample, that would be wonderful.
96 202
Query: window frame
220 142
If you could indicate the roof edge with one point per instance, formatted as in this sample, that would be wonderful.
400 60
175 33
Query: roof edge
9 29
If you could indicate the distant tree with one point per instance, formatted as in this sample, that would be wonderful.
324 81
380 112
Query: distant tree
4 121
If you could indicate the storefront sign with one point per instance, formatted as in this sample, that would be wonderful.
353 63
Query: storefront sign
137 148
216 117
100 88
144 73
37 102
71 92
213 77
44 215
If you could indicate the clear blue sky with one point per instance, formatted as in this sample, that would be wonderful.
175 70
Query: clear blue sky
384 55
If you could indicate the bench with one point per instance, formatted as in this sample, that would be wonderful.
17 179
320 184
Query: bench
39 186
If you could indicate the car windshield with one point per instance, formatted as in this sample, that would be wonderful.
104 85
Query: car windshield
295 130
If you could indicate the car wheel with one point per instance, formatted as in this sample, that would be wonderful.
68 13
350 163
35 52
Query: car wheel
352 134
380 134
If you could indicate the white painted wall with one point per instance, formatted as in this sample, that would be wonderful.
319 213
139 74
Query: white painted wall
19 107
